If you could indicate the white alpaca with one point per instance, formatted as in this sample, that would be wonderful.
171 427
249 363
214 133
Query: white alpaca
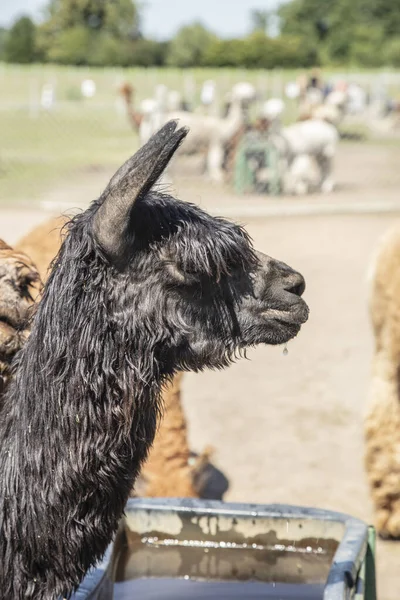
209 134
331 113
356 102
272 110
206 128
314 138
174 101
331 109
304 147
244 91
302 177
149 112
207 95
153 111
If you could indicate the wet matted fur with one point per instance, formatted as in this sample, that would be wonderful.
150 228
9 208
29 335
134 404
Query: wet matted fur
144 285
171 469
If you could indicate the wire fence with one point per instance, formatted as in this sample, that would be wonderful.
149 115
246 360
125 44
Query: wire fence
57 122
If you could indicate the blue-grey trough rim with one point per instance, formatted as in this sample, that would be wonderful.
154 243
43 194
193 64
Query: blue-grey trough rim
346 562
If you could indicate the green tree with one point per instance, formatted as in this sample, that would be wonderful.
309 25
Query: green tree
190 45
120 18
385 13
225 53
392 52
71 46
90 31
355 31
148 53
109 50
3 38
19 45
366 47
260 20
258 51
305 18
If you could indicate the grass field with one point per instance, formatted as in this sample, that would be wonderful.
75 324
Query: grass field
36 153
39 148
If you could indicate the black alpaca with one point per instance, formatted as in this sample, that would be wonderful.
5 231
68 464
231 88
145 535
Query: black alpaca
143 285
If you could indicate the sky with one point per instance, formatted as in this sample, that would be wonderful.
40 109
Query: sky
161 18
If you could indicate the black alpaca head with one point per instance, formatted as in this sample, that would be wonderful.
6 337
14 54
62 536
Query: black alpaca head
190 282
143 285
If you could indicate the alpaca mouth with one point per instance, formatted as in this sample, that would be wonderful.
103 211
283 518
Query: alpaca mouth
296 316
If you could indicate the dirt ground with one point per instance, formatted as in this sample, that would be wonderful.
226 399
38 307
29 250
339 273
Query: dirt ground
288 429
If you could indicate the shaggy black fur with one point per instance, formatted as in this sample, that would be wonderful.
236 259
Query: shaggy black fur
143 285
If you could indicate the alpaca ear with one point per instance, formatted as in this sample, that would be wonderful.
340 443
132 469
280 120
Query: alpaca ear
130 183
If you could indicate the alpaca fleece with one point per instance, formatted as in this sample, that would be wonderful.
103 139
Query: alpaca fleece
167 471
143 286
19 284
382 422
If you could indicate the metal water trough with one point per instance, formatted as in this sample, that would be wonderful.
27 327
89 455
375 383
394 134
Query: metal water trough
350 574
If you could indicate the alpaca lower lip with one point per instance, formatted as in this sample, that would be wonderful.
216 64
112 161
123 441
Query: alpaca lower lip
297 317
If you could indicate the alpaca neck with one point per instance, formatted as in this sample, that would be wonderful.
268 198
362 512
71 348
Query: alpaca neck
134 117
233 120
77 422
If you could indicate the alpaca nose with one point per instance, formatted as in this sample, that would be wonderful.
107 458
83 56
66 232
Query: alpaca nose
296 284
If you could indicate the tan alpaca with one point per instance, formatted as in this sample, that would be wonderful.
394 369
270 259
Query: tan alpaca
19 284
167 471
382 422
128 93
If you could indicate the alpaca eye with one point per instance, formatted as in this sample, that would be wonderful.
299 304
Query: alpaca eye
190 273
186 276
25 284
179 273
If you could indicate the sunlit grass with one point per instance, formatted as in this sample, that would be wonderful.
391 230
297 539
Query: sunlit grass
36 152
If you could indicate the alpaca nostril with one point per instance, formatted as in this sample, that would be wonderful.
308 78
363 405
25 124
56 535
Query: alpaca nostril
297 286
298 289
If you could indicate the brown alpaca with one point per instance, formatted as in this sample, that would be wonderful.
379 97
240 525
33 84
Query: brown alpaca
167 471
19 284
42 243
230 150
382 423
127 92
